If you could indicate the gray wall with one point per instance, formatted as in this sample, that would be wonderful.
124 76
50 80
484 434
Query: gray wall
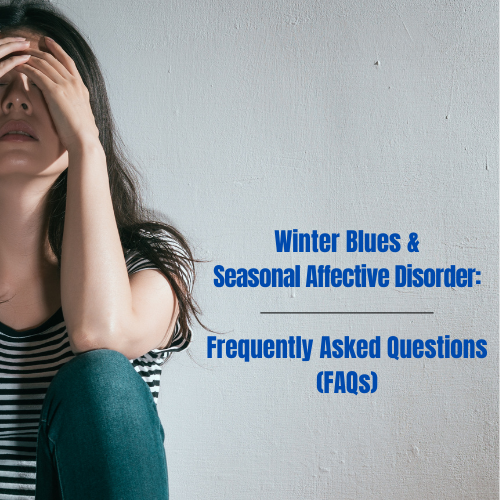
250 117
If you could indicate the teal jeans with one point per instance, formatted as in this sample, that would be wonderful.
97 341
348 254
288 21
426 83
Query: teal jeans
100 437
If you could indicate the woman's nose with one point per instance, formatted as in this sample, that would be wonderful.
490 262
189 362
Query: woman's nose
15 97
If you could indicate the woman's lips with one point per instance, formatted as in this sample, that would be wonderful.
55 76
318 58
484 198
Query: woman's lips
19 126
16 138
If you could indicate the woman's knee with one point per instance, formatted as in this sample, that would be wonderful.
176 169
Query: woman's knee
99 380
99 416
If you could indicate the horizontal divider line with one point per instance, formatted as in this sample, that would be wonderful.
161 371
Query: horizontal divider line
346 312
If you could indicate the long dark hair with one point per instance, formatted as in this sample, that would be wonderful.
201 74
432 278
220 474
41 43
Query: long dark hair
140 228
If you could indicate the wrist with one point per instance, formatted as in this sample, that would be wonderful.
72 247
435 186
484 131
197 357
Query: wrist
85 144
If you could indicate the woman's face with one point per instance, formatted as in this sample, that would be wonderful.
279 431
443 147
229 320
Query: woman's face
21 100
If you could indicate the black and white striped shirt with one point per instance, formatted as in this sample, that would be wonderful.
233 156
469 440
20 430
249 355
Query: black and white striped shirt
29 360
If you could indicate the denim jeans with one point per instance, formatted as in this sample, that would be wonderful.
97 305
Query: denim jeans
100 436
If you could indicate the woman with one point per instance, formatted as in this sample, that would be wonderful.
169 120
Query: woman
73 238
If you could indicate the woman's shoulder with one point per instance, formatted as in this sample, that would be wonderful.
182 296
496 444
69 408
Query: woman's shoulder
138 259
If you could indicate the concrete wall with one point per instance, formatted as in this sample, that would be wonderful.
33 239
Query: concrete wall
246 117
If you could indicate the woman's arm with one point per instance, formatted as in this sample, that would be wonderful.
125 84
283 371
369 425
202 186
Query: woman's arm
102 307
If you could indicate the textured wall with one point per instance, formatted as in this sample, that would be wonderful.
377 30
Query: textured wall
247 117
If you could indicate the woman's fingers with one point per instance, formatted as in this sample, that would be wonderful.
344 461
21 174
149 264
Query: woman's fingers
49 65
7 49
12 62
8 39
39 78
56 64
12 46
62 56
8 46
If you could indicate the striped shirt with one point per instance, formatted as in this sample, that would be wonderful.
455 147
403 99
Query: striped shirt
29 360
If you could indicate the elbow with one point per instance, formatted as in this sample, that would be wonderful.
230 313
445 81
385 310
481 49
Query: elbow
86 339
81 342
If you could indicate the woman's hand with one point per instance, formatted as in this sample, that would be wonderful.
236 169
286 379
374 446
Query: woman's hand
8 45
67 98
